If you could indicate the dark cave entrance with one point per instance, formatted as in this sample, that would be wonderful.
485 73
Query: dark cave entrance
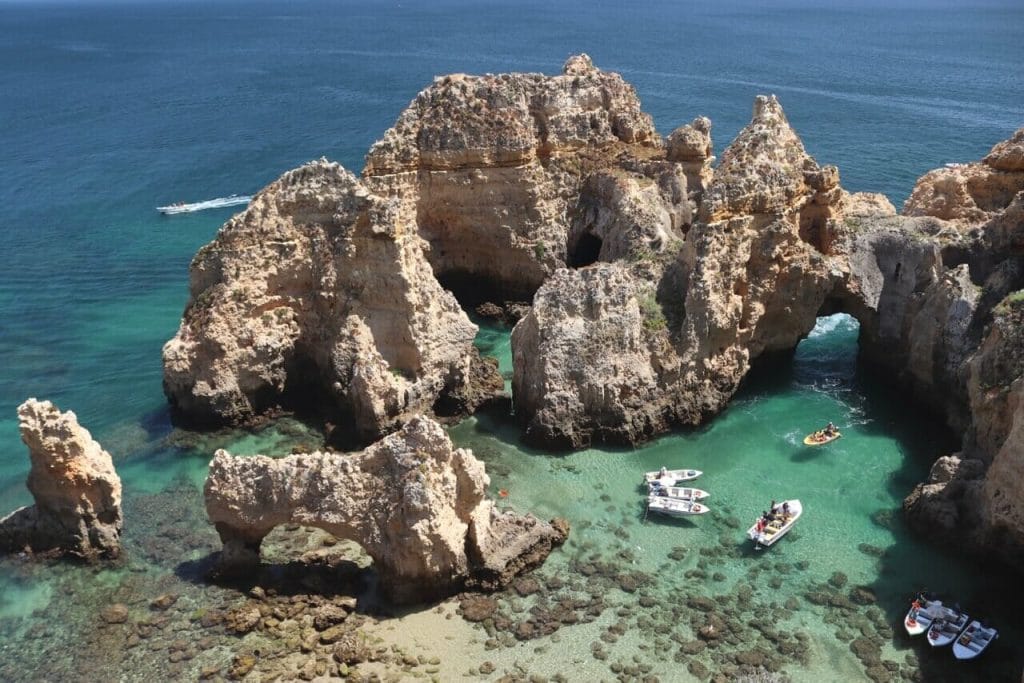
586 251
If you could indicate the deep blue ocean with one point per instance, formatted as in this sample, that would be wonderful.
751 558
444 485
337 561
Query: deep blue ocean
108 110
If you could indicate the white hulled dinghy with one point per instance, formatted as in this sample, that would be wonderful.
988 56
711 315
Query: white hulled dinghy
675 507
973 641
681 492
666 478
923 612
942 632
778 526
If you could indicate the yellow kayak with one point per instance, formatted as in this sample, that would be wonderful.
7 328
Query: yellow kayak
818 438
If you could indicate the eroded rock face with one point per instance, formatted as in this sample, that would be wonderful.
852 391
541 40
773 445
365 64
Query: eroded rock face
494 165
975 192
624 351
318 294
414 503
77 491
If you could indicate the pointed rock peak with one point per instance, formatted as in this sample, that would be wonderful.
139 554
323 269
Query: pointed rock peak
579 65
768 110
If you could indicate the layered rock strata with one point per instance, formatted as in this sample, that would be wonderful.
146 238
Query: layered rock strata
622 351
77 493
495 166
412 501
319 295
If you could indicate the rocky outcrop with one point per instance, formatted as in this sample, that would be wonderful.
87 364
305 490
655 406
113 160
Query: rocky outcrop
975 192
494 165
416 505
319 296
623 351
690 147
77 493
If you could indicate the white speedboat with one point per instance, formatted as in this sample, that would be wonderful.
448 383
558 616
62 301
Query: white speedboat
944 631
973 641
218 203
675 507
682 492
669 478
923 612
778 526
920 615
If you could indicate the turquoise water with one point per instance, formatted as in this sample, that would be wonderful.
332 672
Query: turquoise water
111 109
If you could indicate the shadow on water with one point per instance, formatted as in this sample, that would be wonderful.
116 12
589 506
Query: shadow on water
908 564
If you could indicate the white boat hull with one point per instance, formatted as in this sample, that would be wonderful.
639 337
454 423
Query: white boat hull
973 641
683 493
943 632
776 529
675 507
916 625
669 478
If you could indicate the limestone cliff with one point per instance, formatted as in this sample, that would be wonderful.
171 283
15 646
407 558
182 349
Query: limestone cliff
77 492
621 352
416 505
974 192
495 164
319 295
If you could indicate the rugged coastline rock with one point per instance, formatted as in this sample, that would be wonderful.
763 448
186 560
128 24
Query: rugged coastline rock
495 166
77 492
623 351
412 501
319 295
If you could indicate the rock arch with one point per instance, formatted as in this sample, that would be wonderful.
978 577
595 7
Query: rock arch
414 503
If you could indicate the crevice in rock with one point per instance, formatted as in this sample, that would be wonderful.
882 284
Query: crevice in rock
586 250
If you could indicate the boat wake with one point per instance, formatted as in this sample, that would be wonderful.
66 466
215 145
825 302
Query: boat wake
218 203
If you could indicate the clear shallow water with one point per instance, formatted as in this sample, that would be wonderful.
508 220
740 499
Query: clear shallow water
110 110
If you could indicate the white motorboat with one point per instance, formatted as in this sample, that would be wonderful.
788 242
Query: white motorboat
778 526
668 478
944 631
681 492
220 202
923 612
973 641
919 616
675 507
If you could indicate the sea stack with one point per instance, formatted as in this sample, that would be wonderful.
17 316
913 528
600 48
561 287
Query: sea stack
415 504
319 297
77 491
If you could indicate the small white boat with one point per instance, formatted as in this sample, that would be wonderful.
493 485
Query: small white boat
669 478
778 527
920 615
220 202
675 507
942 632
973 641
681 492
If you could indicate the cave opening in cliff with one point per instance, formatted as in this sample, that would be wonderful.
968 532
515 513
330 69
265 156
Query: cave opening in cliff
586 251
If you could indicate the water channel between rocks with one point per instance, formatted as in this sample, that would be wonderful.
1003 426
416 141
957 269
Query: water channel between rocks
629 595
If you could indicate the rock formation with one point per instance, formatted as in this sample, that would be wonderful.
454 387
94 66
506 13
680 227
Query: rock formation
663 336
495 166
415 504
77 491
319 295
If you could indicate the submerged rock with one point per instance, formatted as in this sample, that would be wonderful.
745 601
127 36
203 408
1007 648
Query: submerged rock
77 492
414 504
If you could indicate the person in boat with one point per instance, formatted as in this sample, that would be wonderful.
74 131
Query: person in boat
829 431
765 517
785 509
663 472
774 509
